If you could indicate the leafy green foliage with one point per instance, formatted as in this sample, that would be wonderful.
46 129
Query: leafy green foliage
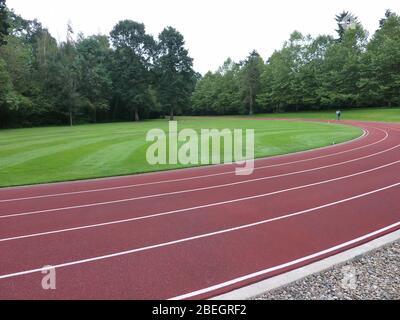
380 72
131 63
4 25
94 82
226 91
251 74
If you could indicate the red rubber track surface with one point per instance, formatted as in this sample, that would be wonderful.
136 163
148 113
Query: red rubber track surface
196 233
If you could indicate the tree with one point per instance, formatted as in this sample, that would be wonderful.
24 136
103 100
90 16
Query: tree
230 95
6 93
380 80
341 69
131 66
275 82
388 14
220 92
69 76
95 84
175 75
16 57
281 82
11 101
300 74
251 73
204 95
311 76
4 25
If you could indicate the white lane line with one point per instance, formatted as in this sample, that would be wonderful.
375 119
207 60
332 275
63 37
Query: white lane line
96 204
366 133
285 265
201 236
191 208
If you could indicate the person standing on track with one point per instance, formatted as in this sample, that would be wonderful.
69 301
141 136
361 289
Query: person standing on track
338 115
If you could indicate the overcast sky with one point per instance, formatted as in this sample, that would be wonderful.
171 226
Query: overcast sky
213 29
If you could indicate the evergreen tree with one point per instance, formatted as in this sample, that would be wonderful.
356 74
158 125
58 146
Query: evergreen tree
174 68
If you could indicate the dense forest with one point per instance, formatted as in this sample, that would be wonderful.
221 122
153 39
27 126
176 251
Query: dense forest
129 75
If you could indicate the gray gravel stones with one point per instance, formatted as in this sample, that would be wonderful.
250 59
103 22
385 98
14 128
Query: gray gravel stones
373 276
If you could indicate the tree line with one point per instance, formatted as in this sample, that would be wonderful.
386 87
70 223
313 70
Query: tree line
125 76
349 70
129 75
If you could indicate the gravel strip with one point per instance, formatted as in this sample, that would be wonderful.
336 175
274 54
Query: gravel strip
373 276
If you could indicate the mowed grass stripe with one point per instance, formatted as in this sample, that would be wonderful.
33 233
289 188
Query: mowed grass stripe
58 149
66 153
116 154
292 141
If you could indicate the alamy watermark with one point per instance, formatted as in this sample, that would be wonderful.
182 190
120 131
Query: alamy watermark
189 147
349 22
49 280
349 280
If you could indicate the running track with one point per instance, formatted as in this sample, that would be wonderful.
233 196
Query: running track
196 233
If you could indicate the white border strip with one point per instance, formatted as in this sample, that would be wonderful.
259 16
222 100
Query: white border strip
290 277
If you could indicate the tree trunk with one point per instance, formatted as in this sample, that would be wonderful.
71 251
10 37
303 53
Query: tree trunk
44 51
251 102
171 114
137 118
70 119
